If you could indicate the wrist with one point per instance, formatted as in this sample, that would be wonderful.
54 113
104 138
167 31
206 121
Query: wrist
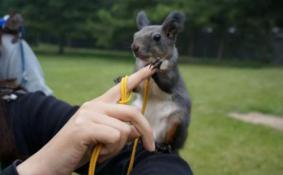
37 164
31 167
27 168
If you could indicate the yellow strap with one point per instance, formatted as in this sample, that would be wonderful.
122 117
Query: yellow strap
125 95
125 98
145 95
135 144
93 160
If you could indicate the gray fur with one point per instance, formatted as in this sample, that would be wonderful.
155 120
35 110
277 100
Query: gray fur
171 90
142 20
174 24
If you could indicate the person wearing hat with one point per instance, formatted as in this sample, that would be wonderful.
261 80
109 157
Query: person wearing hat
18 63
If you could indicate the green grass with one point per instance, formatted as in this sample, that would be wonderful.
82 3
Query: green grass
217 145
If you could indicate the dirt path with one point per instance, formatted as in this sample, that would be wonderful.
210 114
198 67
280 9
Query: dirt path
275 122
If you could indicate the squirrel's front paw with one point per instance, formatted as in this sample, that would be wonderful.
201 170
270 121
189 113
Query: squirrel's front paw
164 65
156 64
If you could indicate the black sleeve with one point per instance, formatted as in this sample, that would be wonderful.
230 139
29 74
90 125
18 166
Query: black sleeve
11 170
35 119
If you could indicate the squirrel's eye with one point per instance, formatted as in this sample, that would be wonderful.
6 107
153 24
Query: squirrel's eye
156 37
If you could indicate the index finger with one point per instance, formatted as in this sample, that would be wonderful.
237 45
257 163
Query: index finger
113 94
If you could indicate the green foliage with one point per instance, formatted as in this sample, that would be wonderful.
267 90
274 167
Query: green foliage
110 24
61 20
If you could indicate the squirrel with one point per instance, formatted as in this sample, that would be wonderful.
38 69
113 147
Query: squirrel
169 105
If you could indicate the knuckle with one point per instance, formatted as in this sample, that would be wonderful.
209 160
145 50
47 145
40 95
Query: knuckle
92 106
83 113
149 130
126 129
134 111
116 137
99 106
79 123
79 120
86 104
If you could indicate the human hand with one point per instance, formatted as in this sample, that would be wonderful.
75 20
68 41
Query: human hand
101 120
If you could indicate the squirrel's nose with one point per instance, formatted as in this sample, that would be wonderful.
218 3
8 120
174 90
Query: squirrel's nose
135 48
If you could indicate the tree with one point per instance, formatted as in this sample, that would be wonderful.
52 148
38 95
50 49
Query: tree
111 24
60 19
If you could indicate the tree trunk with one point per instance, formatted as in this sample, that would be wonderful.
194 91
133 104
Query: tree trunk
220 50
62 44
191 45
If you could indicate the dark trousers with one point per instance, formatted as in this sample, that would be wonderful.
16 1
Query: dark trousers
146 163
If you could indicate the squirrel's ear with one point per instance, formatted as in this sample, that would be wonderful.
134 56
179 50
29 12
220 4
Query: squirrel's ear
142 20
173 24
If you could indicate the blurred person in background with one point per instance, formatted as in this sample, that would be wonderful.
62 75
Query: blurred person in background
18 63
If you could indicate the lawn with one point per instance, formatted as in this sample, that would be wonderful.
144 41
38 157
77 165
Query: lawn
217 145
